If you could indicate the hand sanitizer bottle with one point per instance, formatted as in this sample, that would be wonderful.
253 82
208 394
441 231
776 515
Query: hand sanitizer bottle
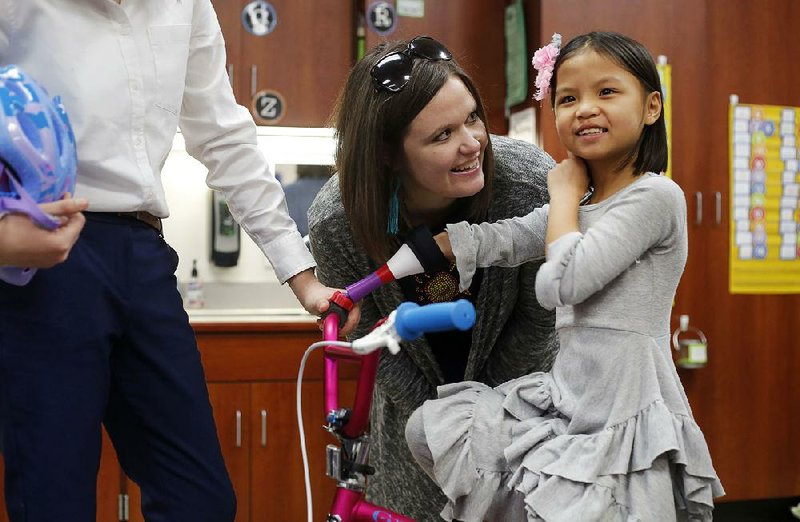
194 289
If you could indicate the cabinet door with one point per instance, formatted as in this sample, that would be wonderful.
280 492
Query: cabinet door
474 34
277 475
304 60
277 468
749 389
229 16
231 405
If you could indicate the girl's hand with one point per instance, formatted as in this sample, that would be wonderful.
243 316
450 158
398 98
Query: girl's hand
567 183
569 180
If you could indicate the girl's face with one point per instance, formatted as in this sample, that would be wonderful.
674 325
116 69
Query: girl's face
601 109
443 150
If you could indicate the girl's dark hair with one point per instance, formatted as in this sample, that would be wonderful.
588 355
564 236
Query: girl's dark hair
650 154
370 126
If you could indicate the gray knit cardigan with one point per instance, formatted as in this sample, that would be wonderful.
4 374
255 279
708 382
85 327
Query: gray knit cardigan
512 335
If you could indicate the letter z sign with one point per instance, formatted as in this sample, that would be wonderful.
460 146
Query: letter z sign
268 107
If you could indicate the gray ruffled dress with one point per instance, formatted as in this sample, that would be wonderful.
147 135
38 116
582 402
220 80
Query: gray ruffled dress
607 434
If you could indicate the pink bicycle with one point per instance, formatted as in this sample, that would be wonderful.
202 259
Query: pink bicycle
347 462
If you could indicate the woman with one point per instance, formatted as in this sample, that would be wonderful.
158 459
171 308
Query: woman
413 150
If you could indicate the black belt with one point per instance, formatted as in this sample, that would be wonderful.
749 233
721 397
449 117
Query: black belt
145 217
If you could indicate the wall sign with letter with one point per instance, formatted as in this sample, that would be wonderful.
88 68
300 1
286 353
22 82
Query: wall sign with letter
381 18
268 107
259 17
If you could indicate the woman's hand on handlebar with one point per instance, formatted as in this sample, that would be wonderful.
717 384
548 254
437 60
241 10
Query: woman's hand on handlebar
314 296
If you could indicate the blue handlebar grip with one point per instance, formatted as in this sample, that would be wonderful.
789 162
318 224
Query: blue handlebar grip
413 320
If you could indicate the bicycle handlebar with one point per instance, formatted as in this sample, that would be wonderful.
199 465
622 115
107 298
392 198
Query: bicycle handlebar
413 320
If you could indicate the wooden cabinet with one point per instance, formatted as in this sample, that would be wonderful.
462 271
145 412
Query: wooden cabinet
473 32
252 373
302 62
251 370
305 59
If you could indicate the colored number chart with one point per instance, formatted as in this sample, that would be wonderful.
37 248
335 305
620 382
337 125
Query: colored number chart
765 190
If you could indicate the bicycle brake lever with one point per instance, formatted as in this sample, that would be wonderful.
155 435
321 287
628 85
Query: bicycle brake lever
383 335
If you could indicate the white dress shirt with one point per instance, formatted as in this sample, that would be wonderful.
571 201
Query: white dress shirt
129 74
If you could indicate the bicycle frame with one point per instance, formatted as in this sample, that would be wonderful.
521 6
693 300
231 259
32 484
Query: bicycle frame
348 464
350 428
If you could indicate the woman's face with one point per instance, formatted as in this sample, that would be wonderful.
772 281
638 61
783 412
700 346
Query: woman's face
444 151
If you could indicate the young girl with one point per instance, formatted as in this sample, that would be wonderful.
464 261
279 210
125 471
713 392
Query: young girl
607 434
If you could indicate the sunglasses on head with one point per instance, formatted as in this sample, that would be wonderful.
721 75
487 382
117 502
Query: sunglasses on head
393 71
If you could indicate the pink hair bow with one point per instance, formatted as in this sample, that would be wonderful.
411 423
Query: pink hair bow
543 61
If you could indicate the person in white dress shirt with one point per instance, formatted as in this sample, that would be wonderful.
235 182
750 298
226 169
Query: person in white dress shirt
102 338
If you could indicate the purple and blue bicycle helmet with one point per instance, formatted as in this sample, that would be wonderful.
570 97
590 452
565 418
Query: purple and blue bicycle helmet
38 161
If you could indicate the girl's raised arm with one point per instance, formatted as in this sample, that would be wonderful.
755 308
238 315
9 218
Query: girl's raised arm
651 214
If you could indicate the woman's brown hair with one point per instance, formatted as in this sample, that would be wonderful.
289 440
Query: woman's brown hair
370 127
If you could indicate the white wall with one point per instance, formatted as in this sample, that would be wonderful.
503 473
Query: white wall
188 228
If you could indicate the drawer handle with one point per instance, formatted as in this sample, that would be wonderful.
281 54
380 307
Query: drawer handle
264 428
698 196
238 429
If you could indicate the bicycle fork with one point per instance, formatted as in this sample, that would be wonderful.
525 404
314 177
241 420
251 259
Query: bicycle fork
348 466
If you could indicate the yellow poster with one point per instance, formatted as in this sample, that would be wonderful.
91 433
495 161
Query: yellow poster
765 190
665 74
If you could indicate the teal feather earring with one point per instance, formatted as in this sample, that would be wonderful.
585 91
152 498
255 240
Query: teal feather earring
394 209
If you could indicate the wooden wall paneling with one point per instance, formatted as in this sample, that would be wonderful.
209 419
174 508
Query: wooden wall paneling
535 39
305 58
229 16
473 30
753 54
644 21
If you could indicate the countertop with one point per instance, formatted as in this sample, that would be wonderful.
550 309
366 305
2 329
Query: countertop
249 315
